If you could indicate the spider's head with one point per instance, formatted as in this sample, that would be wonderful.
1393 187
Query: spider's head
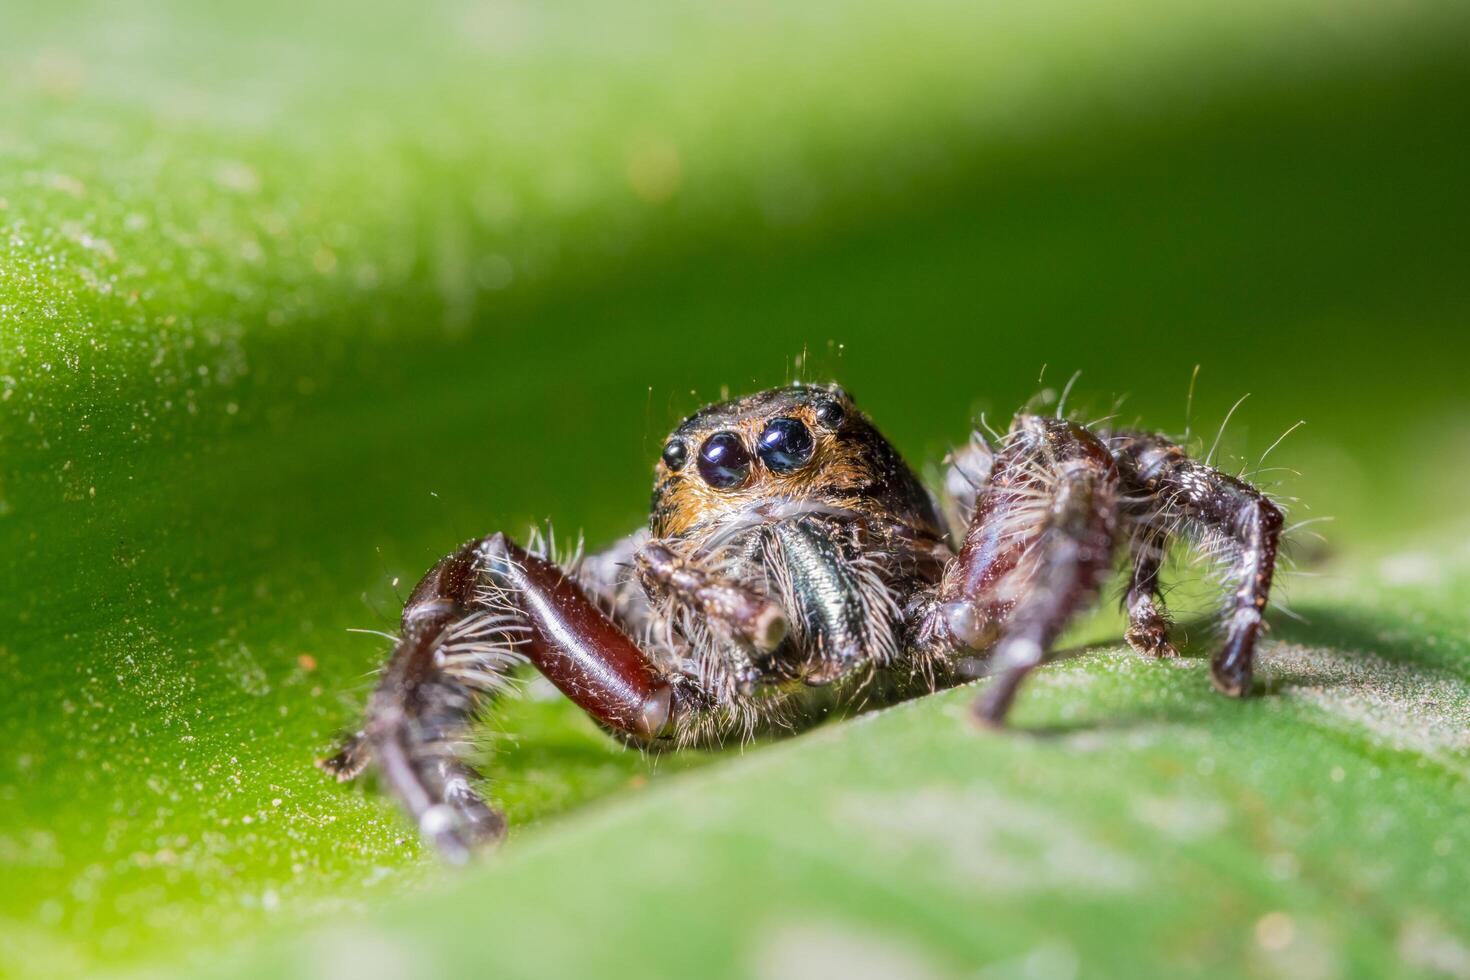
801 447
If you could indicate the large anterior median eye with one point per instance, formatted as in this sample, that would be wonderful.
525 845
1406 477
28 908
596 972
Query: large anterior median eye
785 445
723 461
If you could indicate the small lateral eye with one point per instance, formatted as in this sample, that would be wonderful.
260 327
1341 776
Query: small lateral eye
830 414
676 454
785 445
723 462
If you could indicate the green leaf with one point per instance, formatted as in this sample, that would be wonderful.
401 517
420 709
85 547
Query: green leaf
294 298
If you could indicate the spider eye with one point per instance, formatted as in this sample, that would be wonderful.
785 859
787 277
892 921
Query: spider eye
830 414
676 454
723 461
785 445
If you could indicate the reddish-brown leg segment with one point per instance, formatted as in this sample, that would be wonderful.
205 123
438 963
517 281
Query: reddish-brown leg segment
478 613
575 645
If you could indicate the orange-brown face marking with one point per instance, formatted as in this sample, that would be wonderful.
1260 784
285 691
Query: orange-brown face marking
715 464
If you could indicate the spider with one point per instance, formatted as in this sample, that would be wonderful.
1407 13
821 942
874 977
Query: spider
793 563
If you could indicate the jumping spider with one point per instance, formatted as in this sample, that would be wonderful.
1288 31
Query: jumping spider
794 562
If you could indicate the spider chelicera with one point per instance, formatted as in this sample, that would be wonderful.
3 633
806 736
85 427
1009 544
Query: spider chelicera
793 563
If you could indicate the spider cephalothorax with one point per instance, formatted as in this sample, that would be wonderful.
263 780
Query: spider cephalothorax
793 561
796 495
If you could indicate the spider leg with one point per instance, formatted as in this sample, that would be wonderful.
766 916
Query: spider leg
733 609
351 759
1224 516
965 477
1148 618
477 614
609 579
1038 547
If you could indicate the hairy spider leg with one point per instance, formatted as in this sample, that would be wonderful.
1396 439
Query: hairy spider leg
1148 618
1037 550
477 614
732 609
1227 519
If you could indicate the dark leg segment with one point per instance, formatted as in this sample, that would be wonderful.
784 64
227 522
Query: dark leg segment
1039 546
420 705
478 613
1148 620
1227 518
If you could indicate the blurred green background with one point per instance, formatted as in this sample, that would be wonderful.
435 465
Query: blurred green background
294 298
